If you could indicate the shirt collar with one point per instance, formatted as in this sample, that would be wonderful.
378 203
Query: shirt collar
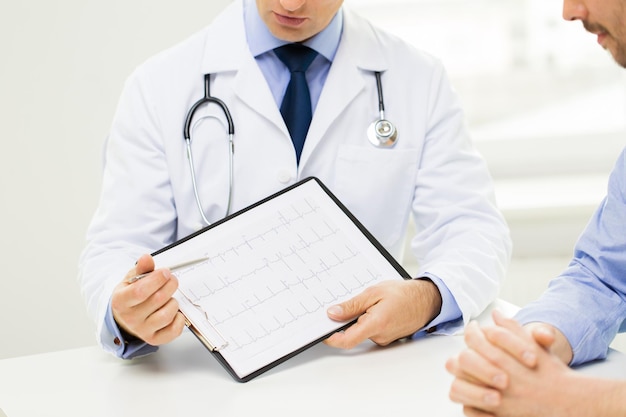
260 39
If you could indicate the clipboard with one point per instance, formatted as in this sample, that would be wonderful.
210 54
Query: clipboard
273 269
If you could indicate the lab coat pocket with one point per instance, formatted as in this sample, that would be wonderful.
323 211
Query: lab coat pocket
377 186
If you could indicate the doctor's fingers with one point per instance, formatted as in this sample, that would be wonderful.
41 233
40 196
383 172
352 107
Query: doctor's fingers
133 303
366 327
356 305
163 325
155 289
389 310
158 298
474 412
383 323
144 264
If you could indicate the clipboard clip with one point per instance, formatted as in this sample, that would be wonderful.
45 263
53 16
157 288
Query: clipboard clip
213 347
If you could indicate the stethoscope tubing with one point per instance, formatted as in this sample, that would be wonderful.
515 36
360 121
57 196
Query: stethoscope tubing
231 145
379 138
381 101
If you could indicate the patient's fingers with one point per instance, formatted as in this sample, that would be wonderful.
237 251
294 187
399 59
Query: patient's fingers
513 338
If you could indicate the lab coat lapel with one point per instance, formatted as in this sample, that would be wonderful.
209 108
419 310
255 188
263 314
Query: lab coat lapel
251 87
227 51
358 56
226 43
343 84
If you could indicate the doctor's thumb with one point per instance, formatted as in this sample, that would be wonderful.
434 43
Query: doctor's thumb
342 312
144 264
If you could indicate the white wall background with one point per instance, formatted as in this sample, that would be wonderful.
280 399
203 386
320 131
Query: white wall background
62 67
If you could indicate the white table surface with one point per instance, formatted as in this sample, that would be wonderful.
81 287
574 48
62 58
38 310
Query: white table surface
183 379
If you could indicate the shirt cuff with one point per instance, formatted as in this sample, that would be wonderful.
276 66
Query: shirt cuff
587 342
121 344
450 318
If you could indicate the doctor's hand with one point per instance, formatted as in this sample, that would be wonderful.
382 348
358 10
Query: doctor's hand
386 312
145 308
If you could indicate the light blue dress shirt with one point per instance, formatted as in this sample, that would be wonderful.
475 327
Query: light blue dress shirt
587 302
261 43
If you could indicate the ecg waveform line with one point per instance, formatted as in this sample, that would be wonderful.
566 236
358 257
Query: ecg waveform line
285 269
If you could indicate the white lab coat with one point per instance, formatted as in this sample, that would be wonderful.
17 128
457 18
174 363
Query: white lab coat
432 172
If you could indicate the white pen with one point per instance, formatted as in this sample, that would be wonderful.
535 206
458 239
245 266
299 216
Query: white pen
171 268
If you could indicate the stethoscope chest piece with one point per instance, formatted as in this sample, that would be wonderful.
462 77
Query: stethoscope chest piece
382 133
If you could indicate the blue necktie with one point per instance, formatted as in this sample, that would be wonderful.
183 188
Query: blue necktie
296 105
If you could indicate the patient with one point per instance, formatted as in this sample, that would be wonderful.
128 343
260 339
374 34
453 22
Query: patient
510 370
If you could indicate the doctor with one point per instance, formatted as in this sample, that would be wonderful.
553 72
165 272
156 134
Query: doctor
430 172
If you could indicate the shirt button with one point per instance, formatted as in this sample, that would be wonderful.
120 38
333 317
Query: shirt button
284 176
117 341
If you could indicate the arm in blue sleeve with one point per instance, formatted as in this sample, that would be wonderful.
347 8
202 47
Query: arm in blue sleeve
450 318
587 302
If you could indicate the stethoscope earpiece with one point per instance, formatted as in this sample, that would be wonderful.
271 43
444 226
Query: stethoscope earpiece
381 132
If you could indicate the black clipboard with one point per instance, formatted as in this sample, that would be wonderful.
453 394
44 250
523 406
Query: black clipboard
273 269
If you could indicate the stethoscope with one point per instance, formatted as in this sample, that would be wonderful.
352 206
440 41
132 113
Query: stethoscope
381 133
